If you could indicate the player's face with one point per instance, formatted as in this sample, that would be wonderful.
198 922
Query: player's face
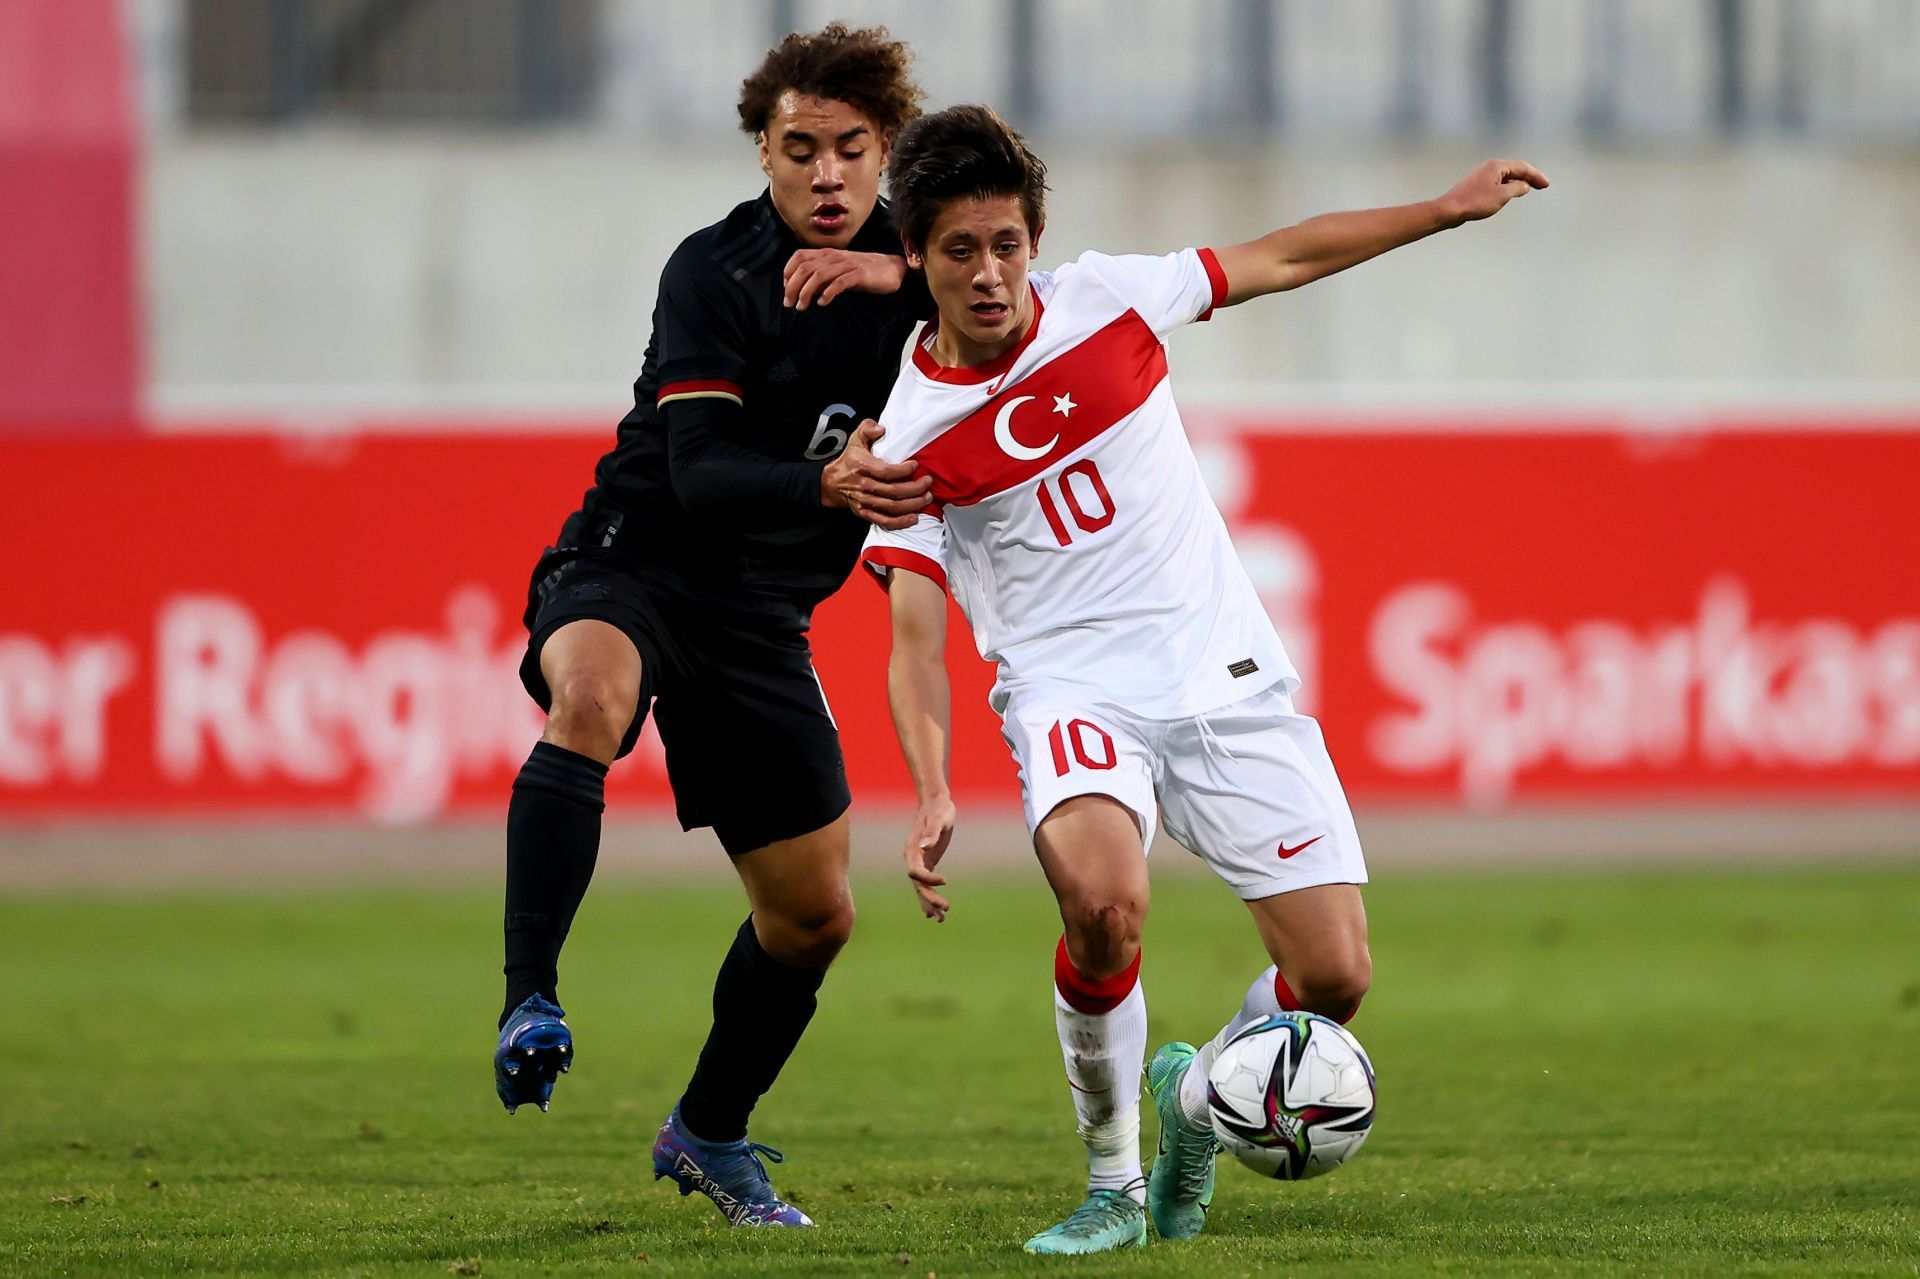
823 160
976 260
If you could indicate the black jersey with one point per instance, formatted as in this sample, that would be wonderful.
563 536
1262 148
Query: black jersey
739 406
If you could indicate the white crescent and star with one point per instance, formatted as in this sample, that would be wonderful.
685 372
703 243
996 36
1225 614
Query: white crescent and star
1003 433
1003 428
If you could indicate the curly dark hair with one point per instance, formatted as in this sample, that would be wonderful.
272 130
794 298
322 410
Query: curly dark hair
864 67
957 153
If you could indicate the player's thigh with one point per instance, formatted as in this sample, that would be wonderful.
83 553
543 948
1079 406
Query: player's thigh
594 674
594 660
752 748
1252 792
1063 750
595 645
798 891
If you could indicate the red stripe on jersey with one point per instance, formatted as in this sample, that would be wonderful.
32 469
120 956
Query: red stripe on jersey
1053 411
710 386
879 557
1217 278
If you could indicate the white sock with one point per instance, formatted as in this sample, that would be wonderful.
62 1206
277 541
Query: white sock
1104 1054
1260 1002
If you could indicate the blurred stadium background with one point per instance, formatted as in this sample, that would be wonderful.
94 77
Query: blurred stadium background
1588 526
1596 531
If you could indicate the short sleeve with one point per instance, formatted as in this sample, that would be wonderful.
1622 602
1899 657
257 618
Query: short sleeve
700 329
1169 291
920 548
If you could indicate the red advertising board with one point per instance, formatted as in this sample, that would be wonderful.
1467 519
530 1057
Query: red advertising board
207 625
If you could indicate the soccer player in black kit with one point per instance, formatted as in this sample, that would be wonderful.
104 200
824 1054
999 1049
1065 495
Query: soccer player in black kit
734 501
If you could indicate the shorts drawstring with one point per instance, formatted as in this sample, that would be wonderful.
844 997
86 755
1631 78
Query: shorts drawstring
1209 743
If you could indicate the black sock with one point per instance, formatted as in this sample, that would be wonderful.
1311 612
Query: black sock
760 1008
553 839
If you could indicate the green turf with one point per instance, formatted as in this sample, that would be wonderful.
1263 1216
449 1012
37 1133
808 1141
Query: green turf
1601 1072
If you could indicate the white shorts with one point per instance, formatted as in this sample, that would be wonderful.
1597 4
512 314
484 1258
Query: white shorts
1248 788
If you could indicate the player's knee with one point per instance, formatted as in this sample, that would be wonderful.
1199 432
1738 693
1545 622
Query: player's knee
591 711
1335 985
1103 935
811 937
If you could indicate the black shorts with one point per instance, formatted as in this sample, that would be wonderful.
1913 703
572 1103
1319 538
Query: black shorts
752 749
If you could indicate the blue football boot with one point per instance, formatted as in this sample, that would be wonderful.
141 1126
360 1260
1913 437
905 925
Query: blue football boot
728 1172
1108 1220
535 1049
1180 1191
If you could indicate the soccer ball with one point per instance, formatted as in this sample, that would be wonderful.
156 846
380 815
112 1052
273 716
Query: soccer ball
1292 1095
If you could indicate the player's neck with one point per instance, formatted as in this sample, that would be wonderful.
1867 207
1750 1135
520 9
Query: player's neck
955 350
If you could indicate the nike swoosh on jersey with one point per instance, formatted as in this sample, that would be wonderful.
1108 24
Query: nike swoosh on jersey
1286 852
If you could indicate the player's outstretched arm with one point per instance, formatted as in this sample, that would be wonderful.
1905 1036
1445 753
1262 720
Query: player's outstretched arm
1301 254
918 693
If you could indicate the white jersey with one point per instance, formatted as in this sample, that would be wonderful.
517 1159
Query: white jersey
1070 519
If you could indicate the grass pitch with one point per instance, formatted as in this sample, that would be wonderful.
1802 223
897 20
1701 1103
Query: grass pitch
1605 1072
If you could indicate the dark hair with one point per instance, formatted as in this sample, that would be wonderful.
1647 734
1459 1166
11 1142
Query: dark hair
959 153
861 66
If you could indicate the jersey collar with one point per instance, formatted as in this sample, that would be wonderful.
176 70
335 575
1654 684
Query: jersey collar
971 374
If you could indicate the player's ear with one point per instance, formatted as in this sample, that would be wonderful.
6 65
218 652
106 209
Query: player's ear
915 258
1033 249
766 152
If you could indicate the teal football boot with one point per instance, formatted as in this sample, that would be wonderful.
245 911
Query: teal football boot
1109 1219
1180 1187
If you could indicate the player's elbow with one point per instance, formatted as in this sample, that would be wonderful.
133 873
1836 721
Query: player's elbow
696 485
920 642
1285 263
1286 272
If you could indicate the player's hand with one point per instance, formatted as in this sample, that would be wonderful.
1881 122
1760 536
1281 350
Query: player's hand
926 844
883 493
818 276
1486 190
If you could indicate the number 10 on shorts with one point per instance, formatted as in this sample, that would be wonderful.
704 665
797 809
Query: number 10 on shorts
1091 746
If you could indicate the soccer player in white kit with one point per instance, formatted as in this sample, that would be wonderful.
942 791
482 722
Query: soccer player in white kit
1139 678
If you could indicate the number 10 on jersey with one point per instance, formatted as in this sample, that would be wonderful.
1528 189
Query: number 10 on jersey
1085 496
